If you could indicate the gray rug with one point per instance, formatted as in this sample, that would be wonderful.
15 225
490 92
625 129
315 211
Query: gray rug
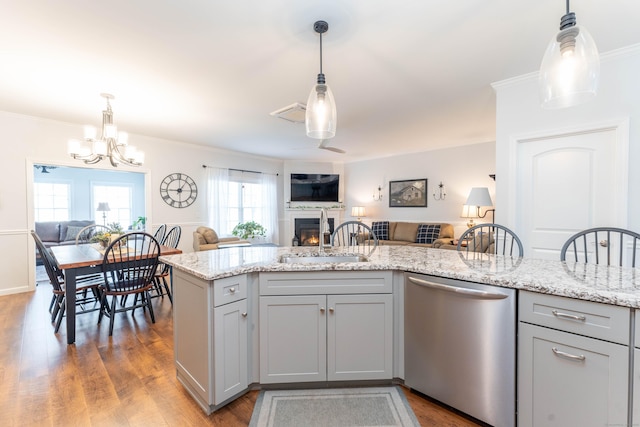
341 407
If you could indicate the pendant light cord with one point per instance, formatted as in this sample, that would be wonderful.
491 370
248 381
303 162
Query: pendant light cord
568 19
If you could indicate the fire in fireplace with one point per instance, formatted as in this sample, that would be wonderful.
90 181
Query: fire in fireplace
307 230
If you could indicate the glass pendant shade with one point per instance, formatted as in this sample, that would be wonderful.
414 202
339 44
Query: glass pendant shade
321 116
570 69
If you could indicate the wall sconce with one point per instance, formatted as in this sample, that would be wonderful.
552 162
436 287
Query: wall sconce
378 197
440 193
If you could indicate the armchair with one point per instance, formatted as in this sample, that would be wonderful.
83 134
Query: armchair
205 238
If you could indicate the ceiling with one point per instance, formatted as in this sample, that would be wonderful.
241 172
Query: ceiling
407 75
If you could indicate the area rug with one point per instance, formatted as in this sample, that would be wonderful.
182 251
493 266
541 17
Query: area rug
339 407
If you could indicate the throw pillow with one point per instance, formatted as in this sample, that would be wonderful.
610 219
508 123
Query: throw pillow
428 233
209 234
482 241
380 229
72 232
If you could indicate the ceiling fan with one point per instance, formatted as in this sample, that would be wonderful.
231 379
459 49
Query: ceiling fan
323 146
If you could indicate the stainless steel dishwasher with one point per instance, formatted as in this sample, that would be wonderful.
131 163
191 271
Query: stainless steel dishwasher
460 345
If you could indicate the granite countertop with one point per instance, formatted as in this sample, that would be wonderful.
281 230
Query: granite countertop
609 285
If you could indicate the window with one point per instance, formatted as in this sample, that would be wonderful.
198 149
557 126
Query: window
120 201
51 201
234 197
245 202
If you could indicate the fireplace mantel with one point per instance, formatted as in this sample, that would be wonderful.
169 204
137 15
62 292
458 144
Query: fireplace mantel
309 212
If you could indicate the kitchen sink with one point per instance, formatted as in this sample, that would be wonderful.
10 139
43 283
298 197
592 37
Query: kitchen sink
289 259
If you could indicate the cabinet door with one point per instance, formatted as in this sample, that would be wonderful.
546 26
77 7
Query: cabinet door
230 350
293 333
570 380
193 335
359 337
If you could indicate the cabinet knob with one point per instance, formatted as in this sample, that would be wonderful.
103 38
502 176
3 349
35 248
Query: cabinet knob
244 314
232 290
321 309
330 309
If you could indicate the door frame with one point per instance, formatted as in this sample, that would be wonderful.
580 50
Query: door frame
31 161
619 126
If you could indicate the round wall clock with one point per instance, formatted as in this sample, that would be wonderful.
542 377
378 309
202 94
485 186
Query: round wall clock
178 190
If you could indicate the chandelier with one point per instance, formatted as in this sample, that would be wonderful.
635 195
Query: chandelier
111 144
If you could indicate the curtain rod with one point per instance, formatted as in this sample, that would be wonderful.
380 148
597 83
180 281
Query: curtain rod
243 170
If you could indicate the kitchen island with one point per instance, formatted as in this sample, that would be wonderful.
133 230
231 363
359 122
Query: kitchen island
230 304
608 285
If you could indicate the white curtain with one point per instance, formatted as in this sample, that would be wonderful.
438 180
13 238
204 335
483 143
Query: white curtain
217 198
269 207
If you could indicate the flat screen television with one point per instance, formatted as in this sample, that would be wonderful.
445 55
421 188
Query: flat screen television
306 187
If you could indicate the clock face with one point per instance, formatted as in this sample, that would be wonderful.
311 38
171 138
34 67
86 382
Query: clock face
178 190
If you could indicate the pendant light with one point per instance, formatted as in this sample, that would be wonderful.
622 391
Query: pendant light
321 116
570 68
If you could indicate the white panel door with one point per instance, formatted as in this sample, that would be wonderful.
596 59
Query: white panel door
567 183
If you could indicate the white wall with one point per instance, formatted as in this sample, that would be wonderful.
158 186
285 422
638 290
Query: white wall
519 113
459 169
27 140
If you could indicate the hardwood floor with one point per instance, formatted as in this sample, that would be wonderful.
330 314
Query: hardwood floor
128 379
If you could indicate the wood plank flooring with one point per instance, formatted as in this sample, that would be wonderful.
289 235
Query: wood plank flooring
126 380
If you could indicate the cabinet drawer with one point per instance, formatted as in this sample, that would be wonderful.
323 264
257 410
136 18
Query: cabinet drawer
592 319
326 283
229 289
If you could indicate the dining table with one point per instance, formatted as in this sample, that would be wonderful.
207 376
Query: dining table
80 260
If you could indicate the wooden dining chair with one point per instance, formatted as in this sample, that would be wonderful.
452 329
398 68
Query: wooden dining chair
161 286
84 235
358 236
492 239
160 233
602 245
129 265
88 295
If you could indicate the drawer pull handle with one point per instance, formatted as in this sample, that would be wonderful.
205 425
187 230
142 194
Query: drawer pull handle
568 316
569 356
232 290
244 314
330 309
321 309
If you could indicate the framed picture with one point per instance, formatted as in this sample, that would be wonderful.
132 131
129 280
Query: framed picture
410 193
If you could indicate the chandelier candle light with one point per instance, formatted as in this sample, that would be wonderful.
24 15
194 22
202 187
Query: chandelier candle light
112 144
321 116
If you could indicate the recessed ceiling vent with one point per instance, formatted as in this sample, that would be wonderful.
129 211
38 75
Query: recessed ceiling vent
292 113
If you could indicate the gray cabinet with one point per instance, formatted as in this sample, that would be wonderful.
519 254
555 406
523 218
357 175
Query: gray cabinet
211 324
566 376
311 330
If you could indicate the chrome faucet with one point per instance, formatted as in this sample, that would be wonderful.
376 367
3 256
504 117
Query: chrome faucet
324 238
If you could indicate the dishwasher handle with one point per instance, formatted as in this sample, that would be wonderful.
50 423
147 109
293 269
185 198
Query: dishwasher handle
458 290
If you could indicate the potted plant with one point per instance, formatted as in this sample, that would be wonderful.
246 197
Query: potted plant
139 223
104 238
249 230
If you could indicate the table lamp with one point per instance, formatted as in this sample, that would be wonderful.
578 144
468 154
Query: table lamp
104 208
358 212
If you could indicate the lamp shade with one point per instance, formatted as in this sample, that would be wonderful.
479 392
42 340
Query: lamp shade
321 116
570 69
469 211
103 207
358 211
479 196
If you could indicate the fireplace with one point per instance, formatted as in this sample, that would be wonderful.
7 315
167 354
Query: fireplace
307 230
